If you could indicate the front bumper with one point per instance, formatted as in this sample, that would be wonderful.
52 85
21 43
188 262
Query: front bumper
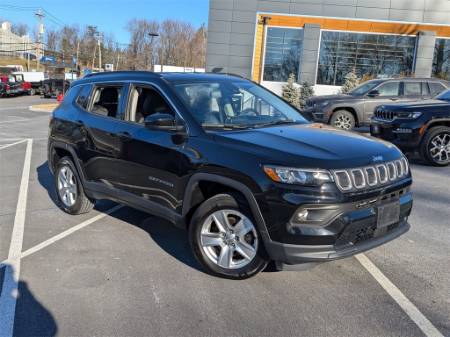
358 231
403 135
317 115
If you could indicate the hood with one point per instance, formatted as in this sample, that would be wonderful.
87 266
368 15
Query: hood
311 146
417 104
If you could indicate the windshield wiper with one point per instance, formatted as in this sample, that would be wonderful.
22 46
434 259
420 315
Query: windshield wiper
226 126
274 123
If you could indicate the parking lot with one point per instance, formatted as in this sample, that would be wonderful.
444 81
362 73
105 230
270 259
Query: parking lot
119 272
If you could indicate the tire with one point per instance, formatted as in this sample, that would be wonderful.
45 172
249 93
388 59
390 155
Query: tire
32 92
435 147
343 119
78 202
211 246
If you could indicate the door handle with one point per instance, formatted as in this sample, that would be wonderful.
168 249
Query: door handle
125 135
79 123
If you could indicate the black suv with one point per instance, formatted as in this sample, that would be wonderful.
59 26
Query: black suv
242 170
357 107
421 126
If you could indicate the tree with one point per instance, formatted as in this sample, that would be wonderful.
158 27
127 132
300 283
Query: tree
306 91
20 29
351 82
51 38
291 93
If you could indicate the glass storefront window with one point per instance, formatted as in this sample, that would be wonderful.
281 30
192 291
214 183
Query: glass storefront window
441 61
377 55
282 57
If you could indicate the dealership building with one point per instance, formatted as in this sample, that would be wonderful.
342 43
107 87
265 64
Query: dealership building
321 41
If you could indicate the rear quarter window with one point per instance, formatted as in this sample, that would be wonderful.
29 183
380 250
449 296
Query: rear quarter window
83 96
436 88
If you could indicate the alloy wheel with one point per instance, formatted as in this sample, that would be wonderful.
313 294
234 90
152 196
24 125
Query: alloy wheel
439 148
343 122
229 239
67 186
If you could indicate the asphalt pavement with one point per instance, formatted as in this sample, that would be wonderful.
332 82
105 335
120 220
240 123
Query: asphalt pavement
127 273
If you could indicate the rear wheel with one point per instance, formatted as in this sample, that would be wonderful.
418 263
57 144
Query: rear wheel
225 240
343 119
435 146
71 196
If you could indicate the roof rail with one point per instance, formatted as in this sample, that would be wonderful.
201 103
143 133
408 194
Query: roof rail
124 72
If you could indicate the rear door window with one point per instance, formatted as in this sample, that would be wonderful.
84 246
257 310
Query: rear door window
412 89
106 101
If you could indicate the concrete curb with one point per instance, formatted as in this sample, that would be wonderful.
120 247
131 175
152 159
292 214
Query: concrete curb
43 107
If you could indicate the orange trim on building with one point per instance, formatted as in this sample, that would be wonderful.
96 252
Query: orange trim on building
338 24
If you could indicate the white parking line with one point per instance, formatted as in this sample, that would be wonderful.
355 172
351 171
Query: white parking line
10 285
9 145
408 307
14 108
62 235
14 121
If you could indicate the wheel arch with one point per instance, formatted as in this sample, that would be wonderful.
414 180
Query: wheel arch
58 150
437 122
194 196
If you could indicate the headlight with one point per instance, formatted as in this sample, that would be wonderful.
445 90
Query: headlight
409 115
291 176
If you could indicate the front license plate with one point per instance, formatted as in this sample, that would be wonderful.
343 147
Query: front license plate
388 214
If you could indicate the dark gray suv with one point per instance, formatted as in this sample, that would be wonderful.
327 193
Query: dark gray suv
357 107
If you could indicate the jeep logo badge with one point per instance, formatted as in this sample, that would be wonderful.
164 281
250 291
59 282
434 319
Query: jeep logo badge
377 158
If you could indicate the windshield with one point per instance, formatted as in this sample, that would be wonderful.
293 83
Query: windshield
235 104
444 96
364 88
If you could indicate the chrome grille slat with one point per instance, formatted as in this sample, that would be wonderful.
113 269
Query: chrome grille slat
357 179
383 114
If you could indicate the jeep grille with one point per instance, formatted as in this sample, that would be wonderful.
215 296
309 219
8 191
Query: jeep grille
363 178
383 114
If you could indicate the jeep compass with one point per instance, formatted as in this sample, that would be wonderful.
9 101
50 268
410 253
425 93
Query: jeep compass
249 178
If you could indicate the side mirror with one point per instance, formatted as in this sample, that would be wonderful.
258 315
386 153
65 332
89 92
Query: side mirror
373 93
162 121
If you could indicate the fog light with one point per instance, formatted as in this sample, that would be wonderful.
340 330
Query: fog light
302 216
401 130
315 216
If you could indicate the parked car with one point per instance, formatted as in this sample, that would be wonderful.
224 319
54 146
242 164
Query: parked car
422 126
33 77
248 177
357 107
53 87
24 88
11 87
4 89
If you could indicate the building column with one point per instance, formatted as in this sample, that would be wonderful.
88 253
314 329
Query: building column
423 64
309 54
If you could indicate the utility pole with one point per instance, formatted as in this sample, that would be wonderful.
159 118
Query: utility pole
152 38
99 41
78 53
40 17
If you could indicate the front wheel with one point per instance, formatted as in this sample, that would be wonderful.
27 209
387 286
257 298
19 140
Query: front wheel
343 119
225 240
436 146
